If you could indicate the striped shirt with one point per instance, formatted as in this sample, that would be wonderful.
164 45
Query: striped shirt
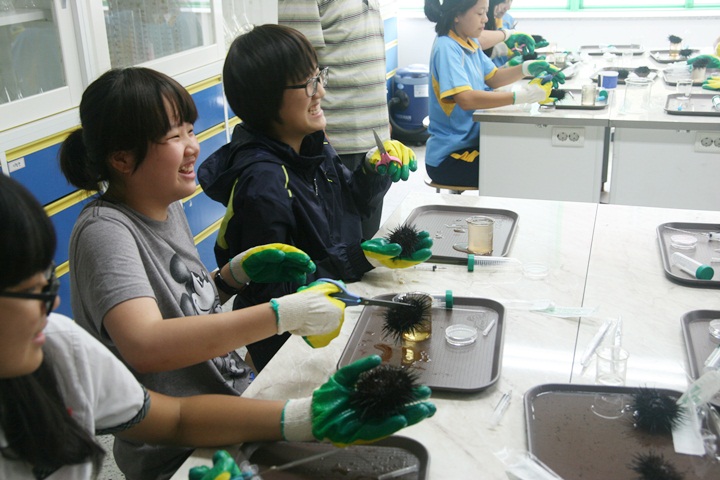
348 36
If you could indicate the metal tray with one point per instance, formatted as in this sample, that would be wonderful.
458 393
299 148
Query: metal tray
663 56
354 462
616 49
703 251
566 434
442 221
439 365
572 102
621 81
698 342
671 79
699 105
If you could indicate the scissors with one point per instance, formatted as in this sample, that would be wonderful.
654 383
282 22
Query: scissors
385 158
351 299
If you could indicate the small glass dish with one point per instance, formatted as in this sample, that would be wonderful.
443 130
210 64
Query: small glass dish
683 241
460 335
535 270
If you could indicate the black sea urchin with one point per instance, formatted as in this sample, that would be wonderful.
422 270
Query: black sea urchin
686 52
558 93
652 466
403 320
654 412
623 73
383 391
406 236
642 72
674 39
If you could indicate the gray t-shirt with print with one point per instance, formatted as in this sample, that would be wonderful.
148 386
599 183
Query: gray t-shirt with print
117 254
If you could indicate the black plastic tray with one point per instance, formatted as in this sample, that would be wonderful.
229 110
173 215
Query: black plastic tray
446 219
615 49
354 462
566 435
663 56
672 79
621 81
699 105
438 364
703 251
572 102
698 342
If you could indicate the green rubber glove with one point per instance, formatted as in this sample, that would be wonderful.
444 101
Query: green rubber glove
274 262
712 83
540 68
520 44
328 415
380 252
519 59
540 42
396 172
713 60
311 313
224 468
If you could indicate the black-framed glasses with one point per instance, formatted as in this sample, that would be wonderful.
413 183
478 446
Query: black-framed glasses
47 295
311 85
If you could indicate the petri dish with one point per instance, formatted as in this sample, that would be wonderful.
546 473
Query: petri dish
535 270
683 242
714 330
460 335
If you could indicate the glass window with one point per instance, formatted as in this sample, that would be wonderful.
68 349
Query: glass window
31 61
632 3
140 31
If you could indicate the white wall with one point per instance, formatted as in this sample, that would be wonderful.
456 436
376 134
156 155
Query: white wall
571 30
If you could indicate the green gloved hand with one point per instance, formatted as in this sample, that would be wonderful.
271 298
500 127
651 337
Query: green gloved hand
519 44
540 68
274 262
224 468
380 252
328 415
713 60
397 172
519 59
311 312
712 83
540 42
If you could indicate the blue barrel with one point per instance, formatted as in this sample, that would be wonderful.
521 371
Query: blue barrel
410 84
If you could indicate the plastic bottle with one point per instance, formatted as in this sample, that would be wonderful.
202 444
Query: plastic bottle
692 267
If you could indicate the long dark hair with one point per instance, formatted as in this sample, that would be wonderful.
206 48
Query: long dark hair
258 66
443 15
37 425
123 110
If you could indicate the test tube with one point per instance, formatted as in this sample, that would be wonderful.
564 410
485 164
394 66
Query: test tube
493 263
692 267
713 360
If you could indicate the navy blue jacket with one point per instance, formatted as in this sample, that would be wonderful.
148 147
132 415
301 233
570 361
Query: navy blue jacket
308 200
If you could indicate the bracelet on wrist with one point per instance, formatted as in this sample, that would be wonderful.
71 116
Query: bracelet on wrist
222 285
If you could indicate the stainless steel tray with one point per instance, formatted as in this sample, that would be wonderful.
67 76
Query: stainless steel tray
438 364
615 49
621 81
447 227
663 56
566 434
699 105
671 79
703 251
354 462
698 342
572 102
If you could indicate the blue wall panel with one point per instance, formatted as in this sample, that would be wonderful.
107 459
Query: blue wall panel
210 104
391 29
64 293
42 175
202 211
64 222
209 146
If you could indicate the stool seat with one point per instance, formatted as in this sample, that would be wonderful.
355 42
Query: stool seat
455 189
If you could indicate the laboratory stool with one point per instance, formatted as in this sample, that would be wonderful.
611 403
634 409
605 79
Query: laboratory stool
454 189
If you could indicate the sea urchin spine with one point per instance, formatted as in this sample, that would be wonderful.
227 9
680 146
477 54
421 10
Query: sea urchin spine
383 392
654 412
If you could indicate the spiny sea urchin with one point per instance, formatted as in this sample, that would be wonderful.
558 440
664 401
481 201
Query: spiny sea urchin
674 39
558 93
642 72
653 466
403 320
383 391
406 236
654 412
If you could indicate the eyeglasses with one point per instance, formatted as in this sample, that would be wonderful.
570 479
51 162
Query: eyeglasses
311 85
47 295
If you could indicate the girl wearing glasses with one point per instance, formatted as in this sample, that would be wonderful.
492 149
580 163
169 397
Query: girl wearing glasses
280 178
59 386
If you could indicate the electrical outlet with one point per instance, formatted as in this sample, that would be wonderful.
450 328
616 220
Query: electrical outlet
707 142
568 136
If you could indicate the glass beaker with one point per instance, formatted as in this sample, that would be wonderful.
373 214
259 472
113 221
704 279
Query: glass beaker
674 50
698 74
637 95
